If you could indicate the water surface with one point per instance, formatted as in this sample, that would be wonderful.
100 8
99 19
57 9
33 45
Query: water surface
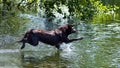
99 48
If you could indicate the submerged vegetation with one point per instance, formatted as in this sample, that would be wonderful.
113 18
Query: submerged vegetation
83 9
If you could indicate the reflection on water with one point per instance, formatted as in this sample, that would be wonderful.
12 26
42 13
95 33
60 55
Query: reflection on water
51 61
10 58
99 48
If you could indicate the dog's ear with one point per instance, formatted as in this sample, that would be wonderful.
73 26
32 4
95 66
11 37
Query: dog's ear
70 25
62 29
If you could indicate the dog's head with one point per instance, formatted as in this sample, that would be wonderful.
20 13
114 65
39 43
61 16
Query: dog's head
68 29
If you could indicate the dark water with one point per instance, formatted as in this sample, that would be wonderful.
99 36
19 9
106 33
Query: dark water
100 47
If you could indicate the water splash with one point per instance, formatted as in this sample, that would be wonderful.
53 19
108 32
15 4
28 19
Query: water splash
35 21
66 47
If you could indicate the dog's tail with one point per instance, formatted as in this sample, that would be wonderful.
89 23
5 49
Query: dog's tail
19 41
22 40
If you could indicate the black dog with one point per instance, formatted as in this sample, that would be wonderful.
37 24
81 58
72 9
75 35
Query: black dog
54 37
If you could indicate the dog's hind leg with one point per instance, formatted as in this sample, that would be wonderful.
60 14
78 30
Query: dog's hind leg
23 41
23 46
35 40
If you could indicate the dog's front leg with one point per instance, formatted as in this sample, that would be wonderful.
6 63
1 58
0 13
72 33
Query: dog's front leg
71 40
57 46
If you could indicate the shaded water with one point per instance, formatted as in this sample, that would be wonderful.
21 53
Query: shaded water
99 48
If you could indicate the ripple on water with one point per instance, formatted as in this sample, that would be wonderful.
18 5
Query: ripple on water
9 50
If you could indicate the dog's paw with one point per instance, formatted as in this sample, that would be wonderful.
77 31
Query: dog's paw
23 46
80 38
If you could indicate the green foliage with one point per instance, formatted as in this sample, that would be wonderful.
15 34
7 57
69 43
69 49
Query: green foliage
103 9
28 6
11 24
83 9
77 8
0 1
105 13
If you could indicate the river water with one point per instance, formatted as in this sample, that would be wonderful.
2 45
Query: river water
100 47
